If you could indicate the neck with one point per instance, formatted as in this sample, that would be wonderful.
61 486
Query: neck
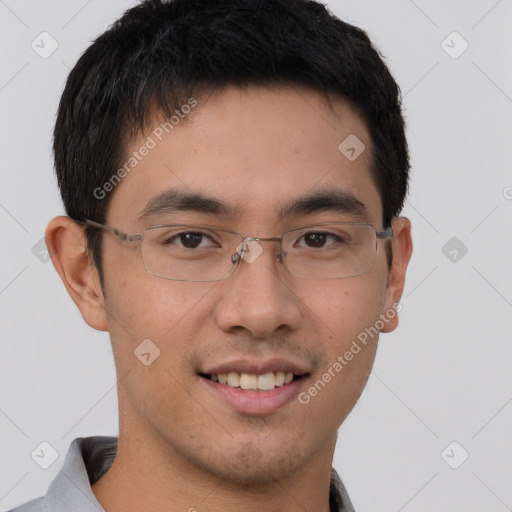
148 474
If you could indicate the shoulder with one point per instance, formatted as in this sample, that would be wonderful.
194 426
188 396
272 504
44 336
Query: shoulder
36 505
88 458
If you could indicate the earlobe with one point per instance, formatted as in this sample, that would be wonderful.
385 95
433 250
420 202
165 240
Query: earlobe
401 245
66 243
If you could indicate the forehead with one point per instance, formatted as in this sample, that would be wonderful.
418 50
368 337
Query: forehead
256 150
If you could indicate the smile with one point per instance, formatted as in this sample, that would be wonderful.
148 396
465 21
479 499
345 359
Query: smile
255 393
254 382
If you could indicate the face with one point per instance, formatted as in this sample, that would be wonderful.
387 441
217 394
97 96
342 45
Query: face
256 152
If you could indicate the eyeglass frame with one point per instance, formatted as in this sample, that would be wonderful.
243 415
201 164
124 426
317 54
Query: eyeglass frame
387 234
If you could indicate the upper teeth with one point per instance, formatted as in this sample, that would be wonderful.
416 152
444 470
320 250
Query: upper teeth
264 382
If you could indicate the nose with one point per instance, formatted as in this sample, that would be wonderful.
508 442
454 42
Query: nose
258 297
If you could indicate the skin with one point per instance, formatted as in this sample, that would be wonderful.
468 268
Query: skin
178 443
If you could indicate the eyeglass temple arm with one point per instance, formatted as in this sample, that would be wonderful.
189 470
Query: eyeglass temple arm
386 234
122 236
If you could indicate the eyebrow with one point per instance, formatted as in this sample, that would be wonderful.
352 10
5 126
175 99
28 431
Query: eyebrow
174 200
334 200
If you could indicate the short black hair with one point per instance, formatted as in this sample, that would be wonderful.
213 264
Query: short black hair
160 53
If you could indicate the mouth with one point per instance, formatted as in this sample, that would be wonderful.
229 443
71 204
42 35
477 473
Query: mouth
252 381
254 388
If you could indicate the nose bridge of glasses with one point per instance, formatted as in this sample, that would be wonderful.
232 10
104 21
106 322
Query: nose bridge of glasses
250 248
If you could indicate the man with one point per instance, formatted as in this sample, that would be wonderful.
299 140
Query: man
232 173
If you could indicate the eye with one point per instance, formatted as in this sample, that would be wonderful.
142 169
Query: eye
319 239
190 240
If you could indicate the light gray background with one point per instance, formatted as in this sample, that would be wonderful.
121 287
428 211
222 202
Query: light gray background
444 376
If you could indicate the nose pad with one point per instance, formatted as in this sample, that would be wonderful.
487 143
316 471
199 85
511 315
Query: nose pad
249 250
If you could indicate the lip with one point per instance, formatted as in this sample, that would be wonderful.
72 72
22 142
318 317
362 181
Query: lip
255 402
256 367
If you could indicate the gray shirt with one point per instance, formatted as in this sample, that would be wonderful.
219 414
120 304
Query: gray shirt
89 458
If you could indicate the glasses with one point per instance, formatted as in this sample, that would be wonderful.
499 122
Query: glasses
184 252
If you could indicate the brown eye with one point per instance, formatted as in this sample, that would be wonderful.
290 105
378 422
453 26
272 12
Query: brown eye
315 239
318 239
191 240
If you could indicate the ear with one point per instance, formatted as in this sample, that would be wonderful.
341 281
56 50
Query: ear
66 243
401 245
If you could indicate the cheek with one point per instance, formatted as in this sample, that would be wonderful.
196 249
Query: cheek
344 308
144 304
141 306
149 315
344 313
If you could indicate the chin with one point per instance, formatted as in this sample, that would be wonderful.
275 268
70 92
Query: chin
253 466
